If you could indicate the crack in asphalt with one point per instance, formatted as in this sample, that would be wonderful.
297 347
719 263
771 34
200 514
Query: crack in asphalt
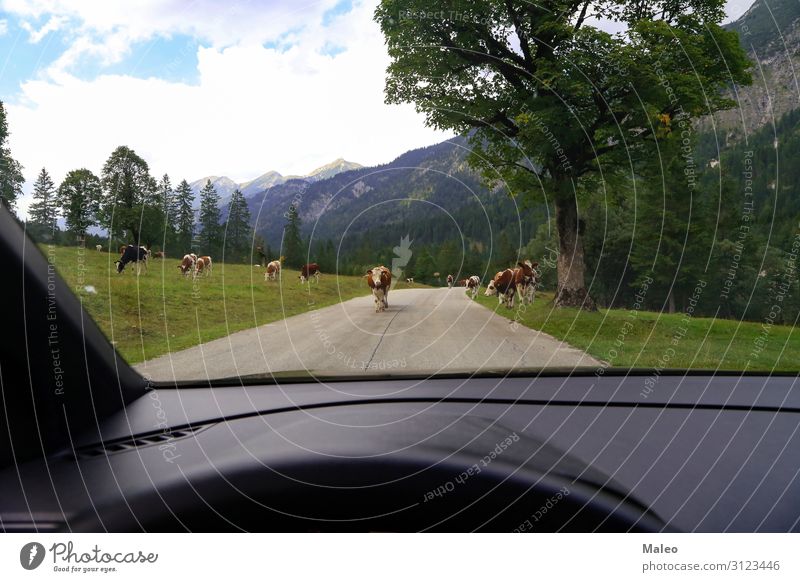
383 334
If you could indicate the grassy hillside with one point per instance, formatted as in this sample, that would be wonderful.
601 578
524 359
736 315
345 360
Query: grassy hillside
161 311
658 341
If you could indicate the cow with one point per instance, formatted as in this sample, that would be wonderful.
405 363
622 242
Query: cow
450 280
502 285
187 265
98 247
133 254
473 286
203 266
525 280
159 255
379 280
273 271
461 283
122 248
309 270
410 280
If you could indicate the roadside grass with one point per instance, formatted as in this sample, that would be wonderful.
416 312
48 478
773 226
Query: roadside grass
161 311
661 341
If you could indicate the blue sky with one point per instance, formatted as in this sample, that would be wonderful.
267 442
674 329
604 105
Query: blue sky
201 87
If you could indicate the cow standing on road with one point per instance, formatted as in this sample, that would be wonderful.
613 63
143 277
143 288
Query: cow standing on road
525 280
473 286
309 270
450 280
133 254
379 280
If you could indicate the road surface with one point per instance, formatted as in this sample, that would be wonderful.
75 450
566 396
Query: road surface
423 330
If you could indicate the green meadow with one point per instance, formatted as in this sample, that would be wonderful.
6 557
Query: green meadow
161 311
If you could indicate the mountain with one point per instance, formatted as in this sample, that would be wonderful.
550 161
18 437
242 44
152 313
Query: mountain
329 170
225 186
770 32
430 194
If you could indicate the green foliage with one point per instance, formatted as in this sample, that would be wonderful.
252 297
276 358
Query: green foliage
238 233
11 178
128 190
184 216
293 248
210 235
43 211
79 197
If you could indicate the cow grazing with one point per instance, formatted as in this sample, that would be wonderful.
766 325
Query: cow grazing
473 286
202 266
133 254
187 265
502 285
273 271
379 280
122 248
309 270
98 247
450 280
159 255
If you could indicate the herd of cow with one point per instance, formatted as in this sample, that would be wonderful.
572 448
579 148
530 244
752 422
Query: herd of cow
506 284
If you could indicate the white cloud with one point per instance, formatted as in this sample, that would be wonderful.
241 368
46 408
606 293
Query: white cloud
3 27
254 109
53 24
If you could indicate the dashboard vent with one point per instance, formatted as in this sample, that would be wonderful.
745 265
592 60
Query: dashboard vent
145 440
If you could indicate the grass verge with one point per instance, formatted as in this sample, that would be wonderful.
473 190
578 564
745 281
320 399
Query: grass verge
646 339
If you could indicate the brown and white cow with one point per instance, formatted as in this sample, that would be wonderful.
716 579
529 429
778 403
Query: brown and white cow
159 255
525 280
203 266
503 286
309 270
379 280
98 247
273 270
187 265
473 286
461 283
450 280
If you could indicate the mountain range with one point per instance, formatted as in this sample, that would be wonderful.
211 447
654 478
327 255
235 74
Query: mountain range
225 186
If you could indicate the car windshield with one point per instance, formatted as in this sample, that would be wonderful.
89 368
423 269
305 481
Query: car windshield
390 189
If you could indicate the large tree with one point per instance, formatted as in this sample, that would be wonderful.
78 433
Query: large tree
129 192
238 233
210 229
79 198
554 106
292 245
11 178
43 210
184 216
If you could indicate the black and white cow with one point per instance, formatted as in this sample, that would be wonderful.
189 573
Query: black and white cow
133 254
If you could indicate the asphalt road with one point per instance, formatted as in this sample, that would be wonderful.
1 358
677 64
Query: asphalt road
423 330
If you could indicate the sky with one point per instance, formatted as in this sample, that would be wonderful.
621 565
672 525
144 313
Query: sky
201 87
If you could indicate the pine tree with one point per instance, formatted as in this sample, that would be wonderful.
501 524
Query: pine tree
43 211
184 216
210 230
238 233
292 241
79 198
11 178
166 200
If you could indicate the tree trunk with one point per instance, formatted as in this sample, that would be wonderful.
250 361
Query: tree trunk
571 265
